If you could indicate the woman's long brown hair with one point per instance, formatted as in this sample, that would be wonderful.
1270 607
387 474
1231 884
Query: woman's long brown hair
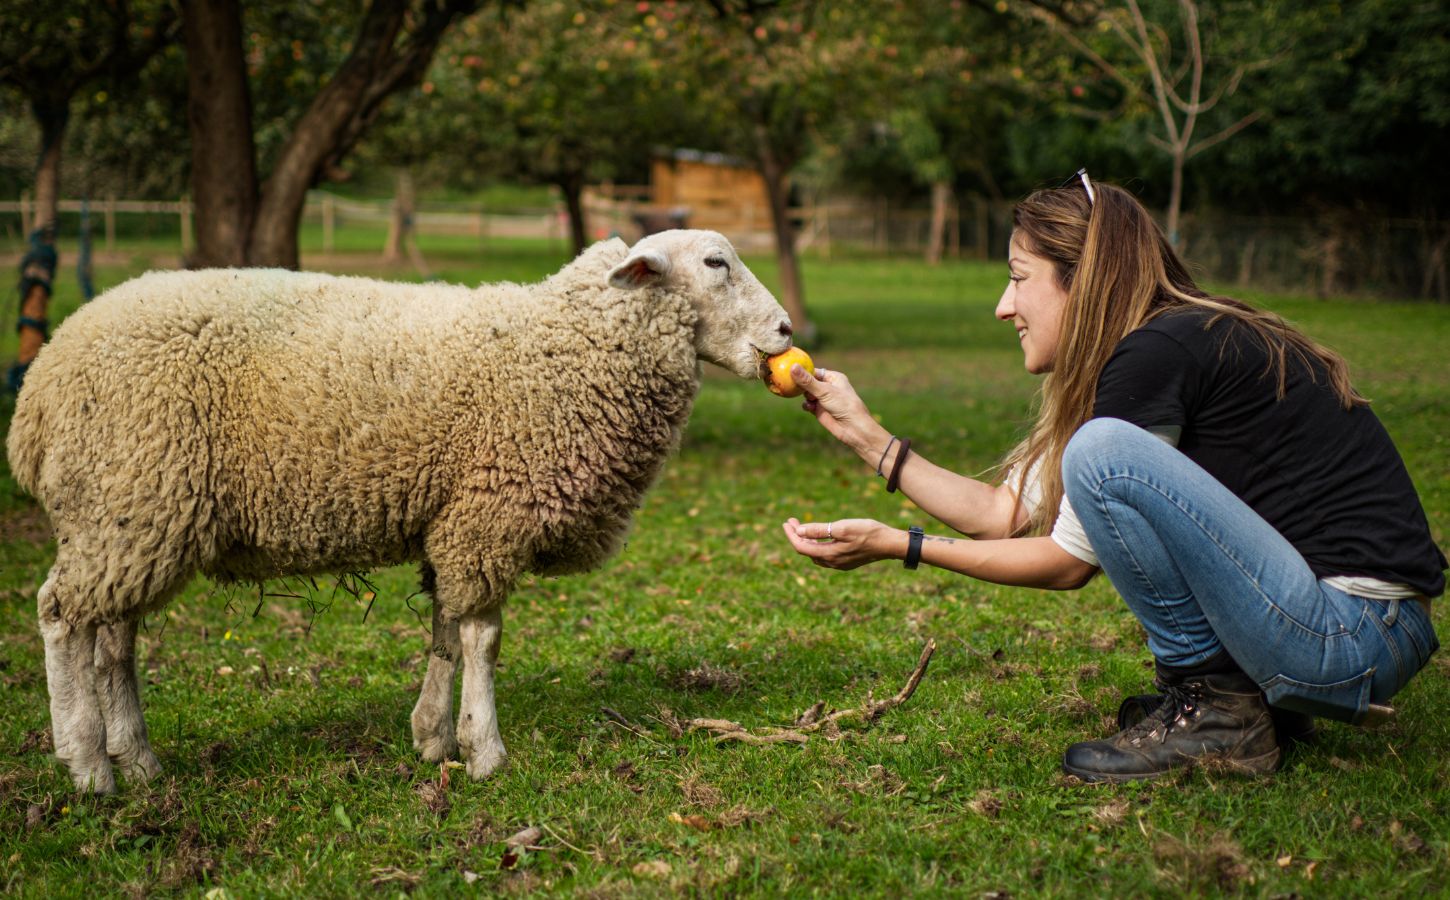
1119 272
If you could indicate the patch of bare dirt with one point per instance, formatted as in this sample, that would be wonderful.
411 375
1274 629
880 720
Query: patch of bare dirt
1197 863
708 677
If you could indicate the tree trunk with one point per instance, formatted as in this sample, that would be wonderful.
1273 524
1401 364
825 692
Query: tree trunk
402 220
941 198
777 191
1175 197
318 134
572 186
52 114
219 117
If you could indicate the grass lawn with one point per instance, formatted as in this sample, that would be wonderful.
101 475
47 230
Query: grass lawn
289 767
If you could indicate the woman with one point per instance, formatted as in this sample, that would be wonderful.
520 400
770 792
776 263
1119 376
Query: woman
1214 462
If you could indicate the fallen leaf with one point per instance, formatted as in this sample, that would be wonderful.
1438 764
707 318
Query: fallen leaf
528 837
693 820
1284 861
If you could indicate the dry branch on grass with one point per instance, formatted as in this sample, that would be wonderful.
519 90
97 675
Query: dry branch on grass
812 719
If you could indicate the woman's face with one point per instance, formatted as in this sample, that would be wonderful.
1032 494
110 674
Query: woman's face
1033 303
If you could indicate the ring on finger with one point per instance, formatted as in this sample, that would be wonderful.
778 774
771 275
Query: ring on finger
828 531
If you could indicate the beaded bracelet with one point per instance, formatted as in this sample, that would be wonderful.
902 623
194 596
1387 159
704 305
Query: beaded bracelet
896 467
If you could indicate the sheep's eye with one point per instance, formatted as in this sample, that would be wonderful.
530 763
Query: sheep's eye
717 262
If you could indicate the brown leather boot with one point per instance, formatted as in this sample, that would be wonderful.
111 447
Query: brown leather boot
1204 718
1291 727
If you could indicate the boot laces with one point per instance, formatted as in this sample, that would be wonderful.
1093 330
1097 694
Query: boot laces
1178 706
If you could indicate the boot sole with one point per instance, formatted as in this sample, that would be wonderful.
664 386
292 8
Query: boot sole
1266 764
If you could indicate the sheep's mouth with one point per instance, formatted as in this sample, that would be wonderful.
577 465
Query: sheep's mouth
763 360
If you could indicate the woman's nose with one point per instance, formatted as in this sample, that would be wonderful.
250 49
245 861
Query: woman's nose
1006 309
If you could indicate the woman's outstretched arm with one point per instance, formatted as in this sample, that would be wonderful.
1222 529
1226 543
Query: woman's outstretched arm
1036 562
972 507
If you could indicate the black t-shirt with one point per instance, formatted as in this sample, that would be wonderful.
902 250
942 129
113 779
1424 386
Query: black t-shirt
1327 479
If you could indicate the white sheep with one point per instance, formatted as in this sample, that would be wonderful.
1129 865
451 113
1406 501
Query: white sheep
251 424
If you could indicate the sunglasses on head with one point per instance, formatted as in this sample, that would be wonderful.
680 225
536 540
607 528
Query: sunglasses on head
1087 184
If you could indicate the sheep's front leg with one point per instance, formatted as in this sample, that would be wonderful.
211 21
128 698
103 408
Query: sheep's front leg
77 727
127 743
478 736
433 714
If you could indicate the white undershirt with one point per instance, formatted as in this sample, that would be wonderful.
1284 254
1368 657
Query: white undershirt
1068 532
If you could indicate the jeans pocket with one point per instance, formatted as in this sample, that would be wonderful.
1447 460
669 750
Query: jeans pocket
1345 700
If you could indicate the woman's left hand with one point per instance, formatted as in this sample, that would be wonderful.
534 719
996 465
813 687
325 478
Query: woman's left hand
843 543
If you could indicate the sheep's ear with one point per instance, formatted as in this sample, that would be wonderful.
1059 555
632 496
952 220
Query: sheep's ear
640 269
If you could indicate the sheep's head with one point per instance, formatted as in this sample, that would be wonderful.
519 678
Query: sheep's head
740 323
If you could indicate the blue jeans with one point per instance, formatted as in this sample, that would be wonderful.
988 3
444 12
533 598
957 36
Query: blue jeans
1203 572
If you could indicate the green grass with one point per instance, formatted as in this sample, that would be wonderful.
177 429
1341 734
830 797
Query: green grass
285 735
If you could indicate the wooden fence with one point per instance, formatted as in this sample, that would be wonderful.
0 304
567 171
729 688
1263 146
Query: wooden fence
1377 257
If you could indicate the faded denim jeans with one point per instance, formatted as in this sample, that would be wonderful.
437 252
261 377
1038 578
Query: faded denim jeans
1203 572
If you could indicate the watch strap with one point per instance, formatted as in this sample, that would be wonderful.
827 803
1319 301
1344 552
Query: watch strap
913 546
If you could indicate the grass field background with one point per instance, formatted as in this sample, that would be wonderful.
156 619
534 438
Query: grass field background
284 735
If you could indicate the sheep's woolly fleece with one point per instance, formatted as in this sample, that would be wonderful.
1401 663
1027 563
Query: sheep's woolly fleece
263 422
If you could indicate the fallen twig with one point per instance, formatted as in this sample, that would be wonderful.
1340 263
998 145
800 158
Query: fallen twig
811 720
618 718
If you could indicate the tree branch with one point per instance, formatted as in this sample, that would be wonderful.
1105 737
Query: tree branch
1224 135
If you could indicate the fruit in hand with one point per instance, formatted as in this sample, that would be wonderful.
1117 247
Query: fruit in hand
778 371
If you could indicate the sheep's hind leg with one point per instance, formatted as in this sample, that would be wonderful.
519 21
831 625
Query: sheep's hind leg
433 715
127 742
478 735
77 728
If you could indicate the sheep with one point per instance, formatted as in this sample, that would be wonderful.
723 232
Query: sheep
251 424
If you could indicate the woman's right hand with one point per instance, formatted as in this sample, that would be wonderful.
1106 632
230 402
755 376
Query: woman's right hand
835 404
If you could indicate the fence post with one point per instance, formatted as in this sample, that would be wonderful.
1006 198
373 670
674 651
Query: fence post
954 235
825 214
984 238
329 222
184 207
109 209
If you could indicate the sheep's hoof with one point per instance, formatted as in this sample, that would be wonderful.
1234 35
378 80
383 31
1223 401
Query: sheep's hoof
435 748
98 779
140 768
481 765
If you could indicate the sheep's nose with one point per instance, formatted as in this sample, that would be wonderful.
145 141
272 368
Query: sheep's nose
785 329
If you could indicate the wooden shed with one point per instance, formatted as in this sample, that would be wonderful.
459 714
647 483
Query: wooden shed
718 192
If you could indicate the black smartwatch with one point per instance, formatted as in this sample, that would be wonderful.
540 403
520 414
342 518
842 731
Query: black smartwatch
913 546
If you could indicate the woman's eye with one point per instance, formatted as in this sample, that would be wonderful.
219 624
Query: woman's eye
716 262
